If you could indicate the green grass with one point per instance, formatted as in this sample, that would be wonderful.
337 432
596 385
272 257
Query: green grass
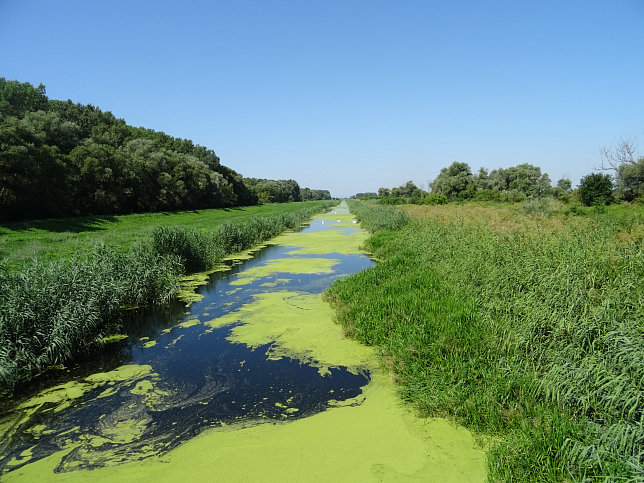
528 327
63 238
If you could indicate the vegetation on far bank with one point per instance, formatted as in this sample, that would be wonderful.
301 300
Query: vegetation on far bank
51 312
528 327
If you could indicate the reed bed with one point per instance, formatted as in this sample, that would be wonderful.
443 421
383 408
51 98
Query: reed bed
51 312
522 326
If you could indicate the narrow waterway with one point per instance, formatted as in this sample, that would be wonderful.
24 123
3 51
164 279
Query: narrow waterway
250 379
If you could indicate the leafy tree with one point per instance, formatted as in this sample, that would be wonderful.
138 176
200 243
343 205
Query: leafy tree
482 180
17 99
563 188
309 194
384 191
596 189
630 180
629 171
60 158
453 180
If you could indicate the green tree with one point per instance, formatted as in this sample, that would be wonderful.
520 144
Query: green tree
629 171
630 180
454 180
596 189
19 98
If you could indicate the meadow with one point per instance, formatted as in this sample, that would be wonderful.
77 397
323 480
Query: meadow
63 292
61 238
522 322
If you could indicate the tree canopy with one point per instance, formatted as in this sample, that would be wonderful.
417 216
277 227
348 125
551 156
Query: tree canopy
58 158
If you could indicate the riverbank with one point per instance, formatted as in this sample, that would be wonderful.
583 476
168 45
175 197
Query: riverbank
63 238
52 312
256 382
527 328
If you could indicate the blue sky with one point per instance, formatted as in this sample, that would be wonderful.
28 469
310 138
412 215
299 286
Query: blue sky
349 95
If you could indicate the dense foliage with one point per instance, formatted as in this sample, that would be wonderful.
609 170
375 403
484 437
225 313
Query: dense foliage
274 191
58 158
524 181
527 328
309 194
596 189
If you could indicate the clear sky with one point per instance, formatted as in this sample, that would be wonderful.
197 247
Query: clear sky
349 95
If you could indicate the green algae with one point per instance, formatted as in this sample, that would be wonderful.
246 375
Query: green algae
324 242
297 325
150 343
173 342
293 265
190 283
189 323
377 440
279 281
113 338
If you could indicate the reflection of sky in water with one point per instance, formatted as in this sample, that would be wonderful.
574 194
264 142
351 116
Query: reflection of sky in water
208 380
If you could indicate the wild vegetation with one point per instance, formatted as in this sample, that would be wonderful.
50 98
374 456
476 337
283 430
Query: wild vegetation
51 312
526 181
527 327
58 158
55 238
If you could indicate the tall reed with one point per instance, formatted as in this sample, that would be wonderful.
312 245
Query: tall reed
526 327
50 313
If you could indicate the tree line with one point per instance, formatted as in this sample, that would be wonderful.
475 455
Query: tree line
517 183
60 158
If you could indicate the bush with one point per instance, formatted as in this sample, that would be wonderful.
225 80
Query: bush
487 195
596 189
435 199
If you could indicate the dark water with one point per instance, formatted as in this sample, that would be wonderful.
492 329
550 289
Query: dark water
205 380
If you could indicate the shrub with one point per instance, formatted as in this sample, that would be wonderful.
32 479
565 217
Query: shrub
596 189
487 195
435 199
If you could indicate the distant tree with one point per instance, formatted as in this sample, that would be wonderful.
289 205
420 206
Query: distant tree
596 189
60 158
629 171
563 188
482 180
408 190
525 180
630 180
310 195
453 180
384 191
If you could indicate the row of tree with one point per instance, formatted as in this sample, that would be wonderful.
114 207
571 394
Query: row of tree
458 182
58 158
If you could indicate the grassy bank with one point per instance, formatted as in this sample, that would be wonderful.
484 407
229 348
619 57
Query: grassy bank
529 328
52 311
57 238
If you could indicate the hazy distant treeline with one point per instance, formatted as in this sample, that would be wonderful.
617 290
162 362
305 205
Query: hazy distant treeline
58 158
